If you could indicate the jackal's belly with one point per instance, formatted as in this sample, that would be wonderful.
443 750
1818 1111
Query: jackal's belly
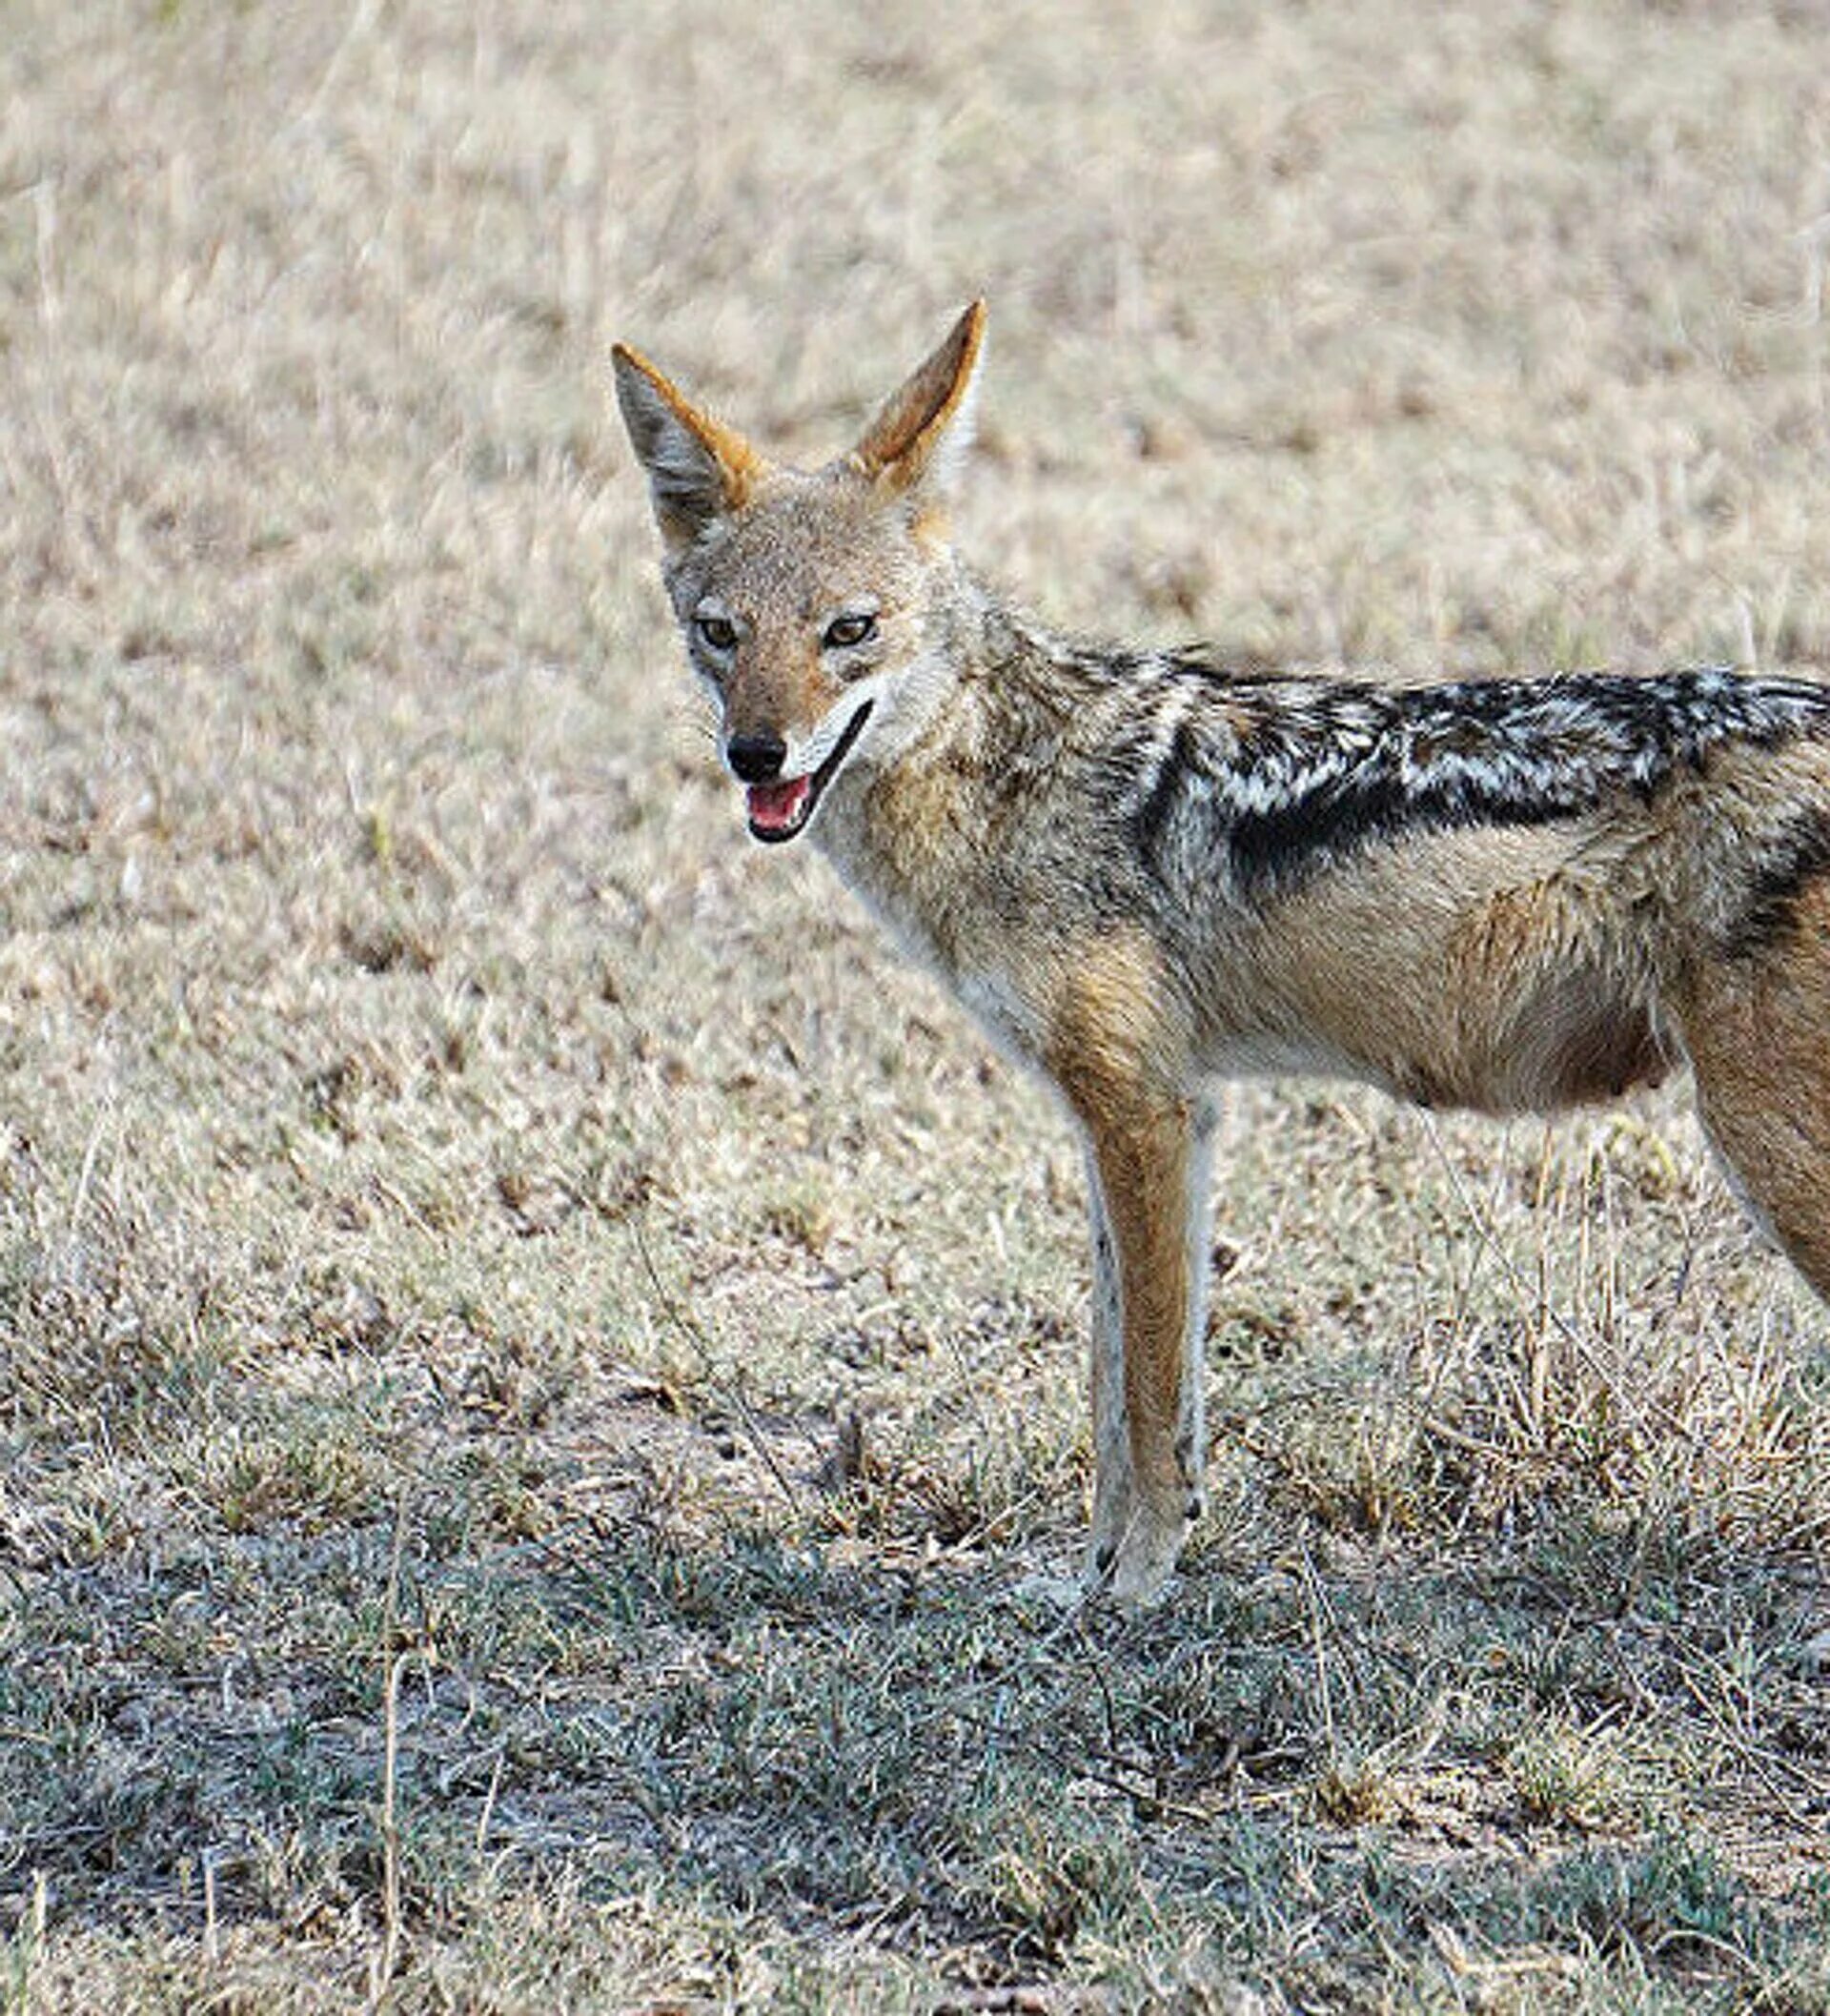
1569 1045
1530 1043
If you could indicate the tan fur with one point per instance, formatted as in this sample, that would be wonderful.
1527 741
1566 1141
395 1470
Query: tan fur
1473 970
1123 1076
1144 871
1759 1039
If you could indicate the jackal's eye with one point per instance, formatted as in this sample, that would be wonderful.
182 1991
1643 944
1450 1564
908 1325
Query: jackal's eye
717 633
845 631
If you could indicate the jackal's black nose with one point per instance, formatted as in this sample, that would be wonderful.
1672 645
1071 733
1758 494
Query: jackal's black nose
756 759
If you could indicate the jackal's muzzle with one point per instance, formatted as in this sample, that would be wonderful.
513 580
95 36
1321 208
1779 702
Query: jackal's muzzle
779 809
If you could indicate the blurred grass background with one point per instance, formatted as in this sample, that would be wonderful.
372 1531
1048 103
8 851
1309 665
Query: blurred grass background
535 1361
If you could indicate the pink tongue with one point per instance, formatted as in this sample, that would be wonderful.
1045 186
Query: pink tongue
775 807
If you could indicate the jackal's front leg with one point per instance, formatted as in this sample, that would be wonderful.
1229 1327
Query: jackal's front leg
1149 1195
1118 1055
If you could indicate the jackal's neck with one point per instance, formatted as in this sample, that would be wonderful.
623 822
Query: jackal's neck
1010 688
984 669
1006 662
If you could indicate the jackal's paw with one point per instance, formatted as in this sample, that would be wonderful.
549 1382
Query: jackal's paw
1145 1566
1135 1568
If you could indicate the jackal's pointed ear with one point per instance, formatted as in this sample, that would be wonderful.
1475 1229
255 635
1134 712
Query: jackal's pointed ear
697 468
925 428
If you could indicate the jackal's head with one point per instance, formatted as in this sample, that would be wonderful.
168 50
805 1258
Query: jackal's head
810 600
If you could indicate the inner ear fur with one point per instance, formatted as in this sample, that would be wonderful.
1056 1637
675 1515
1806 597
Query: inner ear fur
930 412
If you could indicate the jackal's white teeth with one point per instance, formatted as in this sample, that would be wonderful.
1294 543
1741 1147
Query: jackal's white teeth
776 809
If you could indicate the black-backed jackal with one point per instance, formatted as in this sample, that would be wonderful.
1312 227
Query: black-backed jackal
1142 871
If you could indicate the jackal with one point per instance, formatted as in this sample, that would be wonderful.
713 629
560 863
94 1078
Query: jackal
1143 871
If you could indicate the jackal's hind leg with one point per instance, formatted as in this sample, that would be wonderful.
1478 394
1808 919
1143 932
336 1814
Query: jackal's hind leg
1756 1026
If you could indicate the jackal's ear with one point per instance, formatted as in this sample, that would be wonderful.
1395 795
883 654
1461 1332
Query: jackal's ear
697 468
927 427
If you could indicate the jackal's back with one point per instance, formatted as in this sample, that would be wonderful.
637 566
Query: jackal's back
1263 782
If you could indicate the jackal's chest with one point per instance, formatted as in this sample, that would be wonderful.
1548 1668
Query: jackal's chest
953 911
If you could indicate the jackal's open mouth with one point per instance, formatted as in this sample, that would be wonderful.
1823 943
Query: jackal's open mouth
778 811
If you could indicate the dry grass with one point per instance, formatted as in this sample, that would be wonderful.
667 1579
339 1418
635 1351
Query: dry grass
536 1364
